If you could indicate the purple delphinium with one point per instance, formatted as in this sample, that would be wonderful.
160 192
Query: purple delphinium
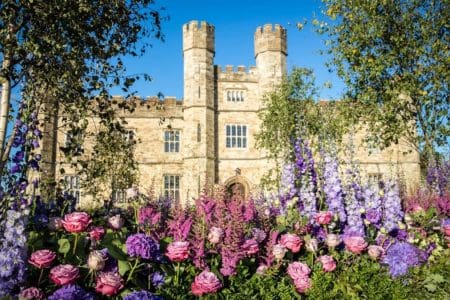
13 254
392 213
141 295
353 207
437 176
140 245
307 176
332 187
372 205
71 292
288 190
401 256
157 279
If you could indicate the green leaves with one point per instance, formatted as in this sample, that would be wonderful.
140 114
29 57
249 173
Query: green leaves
64 246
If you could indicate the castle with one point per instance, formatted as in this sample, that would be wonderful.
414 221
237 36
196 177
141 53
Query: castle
208 136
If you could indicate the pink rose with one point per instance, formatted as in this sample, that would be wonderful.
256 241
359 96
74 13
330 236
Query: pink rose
302 284
278 251
446 229
55 223
250 247
31 293
205 283
116 222
297 270
42 258
76 222
261 269
215 235
324 217
178 251
97 233
355 244
375 251
291 242
328 263
64 274
109 283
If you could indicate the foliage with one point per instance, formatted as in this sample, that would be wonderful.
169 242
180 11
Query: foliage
59 54
393 57
293 108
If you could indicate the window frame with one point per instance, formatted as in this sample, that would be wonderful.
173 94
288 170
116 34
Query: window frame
72 189
169 190
239 138
235 95
174 143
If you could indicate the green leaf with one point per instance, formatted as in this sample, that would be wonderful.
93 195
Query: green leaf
116 252
64 246
430 287
124 266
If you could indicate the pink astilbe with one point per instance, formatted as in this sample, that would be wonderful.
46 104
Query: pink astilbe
180 225
272 241
426 199
231 248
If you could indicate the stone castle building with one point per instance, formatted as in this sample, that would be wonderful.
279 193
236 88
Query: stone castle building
208 137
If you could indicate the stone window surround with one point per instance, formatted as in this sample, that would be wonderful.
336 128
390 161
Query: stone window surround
72 186
235 95
172 142
171 187
241 137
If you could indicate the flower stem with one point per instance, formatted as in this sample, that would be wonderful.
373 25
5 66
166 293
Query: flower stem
132 269
40 276
177 273
75 244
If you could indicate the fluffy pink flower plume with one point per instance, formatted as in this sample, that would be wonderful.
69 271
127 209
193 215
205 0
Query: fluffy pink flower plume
272 241
205 283
180 225
148 216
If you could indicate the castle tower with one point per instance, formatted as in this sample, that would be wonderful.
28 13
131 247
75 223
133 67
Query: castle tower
198 132
270 55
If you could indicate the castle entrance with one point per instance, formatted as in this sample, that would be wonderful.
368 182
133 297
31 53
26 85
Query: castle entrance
237 186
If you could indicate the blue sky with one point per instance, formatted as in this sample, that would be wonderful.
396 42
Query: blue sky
235 22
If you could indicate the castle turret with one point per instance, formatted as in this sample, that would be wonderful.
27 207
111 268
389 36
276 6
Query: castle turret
270 55
198 132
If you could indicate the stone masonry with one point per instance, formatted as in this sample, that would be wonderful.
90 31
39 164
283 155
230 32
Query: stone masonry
217 103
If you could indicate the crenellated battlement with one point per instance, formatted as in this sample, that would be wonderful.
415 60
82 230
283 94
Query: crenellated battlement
236 73
198 35
270 38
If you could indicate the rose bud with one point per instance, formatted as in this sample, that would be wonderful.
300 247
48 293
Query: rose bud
109 283
178 251
291 242
215 235
64 274
76 222
116 222
324 217
55 223
96 260
312 245
97 233
328 263
31 293
375 251
42 258
332 240
278 251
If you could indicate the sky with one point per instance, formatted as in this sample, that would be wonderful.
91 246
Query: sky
235 23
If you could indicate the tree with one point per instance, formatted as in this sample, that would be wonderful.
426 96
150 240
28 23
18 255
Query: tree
394 57
292 110
64 52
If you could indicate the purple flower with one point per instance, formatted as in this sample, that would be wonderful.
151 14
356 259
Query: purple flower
140 245
393 213
71 292
157 279
353 206
332 187
372 204
141 295
401 256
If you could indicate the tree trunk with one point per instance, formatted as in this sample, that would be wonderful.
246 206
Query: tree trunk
5 102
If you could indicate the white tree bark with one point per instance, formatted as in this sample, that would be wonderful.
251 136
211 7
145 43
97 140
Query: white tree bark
4 104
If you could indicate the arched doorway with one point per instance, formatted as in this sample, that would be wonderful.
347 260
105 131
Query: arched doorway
237 186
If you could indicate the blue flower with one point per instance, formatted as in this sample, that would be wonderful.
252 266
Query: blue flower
401 256
157 279
71 292
141 295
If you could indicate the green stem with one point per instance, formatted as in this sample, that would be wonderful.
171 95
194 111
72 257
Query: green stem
40 277
177 273
75 244
132 269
